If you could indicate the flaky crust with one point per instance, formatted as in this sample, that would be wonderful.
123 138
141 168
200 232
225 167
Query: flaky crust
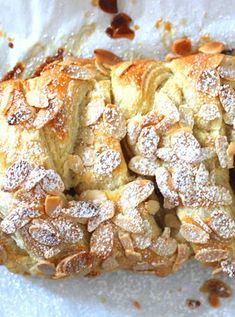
122 136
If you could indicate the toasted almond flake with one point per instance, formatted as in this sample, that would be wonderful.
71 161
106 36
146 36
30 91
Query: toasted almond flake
135 192
143 165
53 206
94 111
110 264
36 98
166 154
212 48
125 240
183 177
79 263
130 221
44 233
34 177
227 68
186 146
202 224
19 217
15 175
209 112
81 209
144 240
133 131
166 107
52 183
163 180
93 195
106 211
186 117
165 245
182 46
209 82
148 141
74 163
211 255
221 147
227 99
202 176
68 231
222 224
45 267
3 255
114 122
106 57
194 233
133 256
6 99
102 241
228 267
87 155
152 206
183 253
106 162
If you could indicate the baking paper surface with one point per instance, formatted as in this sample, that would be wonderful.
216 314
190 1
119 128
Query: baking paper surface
37 28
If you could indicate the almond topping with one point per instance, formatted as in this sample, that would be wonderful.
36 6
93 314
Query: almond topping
114 122
221 147
106 210
222 225
194 233
81 209
209 82
44 233
93 195
94 111
148 141
53 205
52 183
70 232
209 112
130 221
165 245
182 46
79 263
211 255
227 68
212 48
45 267
106 162
37 99
143 165
106 57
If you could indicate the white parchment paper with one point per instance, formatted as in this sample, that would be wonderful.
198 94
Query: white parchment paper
37 28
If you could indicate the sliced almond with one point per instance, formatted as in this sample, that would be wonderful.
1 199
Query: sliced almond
107 162
143 165
53 205
228 267
227 99
106 57
52 183
94 111
36 98
79 263
130 221
227 68
34 177
194 233
114 122
45 267
183 253
87 155
44 233
166 107
135 192
222 224
165 245
148 141
212 48
106 211
93 195
81 209
110 264
221 148
209 82
102 241
69 231
211 255
182 46
209 112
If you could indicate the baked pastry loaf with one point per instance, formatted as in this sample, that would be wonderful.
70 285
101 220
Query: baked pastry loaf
122 140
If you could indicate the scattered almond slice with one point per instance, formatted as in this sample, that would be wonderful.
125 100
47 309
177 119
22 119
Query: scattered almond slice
106 162
53 206
78 72
68 231
93 195
15 175
211 255
143 165
221 148
110 264
44 267
87 155
94 111
212 48
148 141
131 221
106 211
114 122
106 57
19 217
79 263
186 146
183 253
81 209
227 99
202 177
44 233
165 186
194 233
36 98
227 68
102 241
209 82
166 154
166 107
209 112
135 192
228 267
34 177
222 224
182 46
165 245
52 183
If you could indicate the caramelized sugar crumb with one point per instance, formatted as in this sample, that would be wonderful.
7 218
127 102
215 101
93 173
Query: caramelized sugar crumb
182 46
108 6
15 72
120 27
193 303
11 44
136 304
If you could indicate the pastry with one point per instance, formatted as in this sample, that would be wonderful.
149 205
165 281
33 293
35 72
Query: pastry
118 165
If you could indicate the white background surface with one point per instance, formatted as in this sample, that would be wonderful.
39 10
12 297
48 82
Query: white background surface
38 27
